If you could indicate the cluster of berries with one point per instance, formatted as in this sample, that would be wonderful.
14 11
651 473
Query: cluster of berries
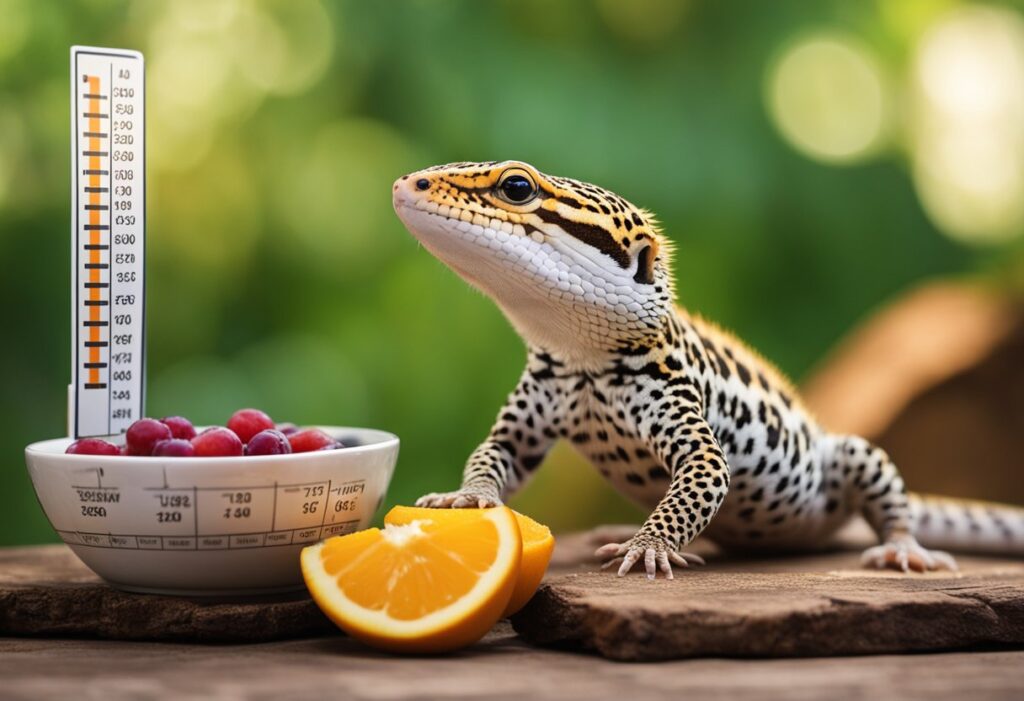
249 432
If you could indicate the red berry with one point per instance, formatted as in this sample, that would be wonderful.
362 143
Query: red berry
269 442
287 428
180 427
92 446
144 434
311 439
174 448
246 423
217 442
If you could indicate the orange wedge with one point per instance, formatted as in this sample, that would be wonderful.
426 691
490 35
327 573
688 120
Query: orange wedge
429 585
538 544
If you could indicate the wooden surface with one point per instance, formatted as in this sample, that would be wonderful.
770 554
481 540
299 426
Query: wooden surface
500 667
503 665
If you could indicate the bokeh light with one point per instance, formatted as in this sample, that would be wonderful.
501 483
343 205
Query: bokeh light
283 47
188 77
967 139
827 97
199 82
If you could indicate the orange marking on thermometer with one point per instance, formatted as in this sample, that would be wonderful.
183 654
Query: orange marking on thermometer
94 221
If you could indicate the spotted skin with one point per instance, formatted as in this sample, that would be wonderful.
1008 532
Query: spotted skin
678 415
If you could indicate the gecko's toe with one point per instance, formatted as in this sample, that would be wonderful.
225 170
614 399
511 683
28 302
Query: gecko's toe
429 500
920 561
666 568
609 550
628 561
944 560
678 560
691 559
650 562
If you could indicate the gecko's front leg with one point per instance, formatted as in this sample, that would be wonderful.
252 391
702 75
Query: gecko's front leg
700 480
487 475
502 464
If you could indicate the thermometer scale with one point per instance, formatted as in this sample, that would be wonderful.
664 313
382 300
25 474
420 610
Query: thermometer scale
108 231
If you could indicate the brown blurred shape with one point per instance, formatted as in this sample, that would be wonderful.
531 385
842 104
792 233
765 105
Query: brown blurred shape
937 379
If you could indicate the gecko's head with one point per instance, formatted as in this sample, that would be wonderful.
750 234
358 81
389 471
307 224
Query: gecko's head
559 256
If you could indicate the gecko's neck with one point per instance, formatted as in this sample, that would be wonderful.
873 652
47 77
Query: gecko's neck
586 330
580 345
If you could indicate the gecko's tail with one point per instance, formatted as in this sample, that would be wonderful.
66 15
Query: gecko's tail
966 525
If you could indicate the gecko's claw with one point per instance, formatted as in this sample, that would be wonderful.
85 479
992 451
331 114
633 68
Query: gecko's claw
654 550
466 498
904 553
685 559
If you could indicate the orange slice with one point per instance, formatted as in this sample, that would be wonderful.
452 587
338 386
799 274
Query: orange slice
538 544
429 585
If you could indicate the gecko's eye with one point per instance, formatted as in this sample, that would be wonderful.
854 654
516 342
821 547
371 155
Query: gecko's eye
516 187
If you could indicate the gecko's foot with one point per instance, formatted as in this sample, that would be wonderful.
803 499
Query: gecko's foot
905 553
655 552
466 498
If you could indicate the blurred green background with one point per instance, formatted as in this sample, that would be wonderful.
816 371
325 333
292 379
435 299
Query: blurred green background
809 159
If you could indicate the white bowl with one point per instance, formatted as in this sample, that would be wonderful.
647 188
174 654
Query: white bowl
209 526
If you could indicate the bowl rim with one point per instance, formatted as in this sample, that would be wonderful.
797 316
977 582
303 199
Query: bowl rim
40 449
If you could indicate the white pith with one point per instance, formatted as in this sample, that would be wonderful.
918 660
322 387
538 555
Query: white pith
400 535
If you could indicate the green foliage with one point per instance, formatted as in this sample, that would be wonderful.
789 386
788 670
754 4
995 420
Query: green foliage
279 277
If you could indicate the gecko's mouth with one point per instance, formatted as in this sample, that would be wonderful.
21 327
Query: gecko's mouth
462 222
444 229
443 225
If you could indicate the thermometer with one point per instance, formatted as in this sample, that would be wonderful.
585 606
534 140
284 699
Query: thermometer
108 232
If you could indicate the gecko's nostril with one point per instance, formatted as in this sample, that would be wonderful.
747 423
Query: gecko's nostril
422 184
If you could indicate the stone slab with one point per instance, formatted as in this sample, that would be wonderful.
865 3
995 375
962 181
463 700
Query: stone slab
47 591
790 606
